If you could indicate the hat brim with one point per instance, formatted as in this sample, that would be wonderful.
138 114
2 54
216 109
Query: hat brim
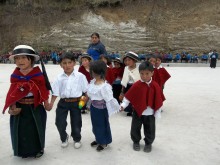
132 57
12 57
86 56
116 60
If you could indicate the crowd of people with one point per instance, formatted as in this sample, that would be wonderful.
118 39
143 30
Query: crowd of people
106 87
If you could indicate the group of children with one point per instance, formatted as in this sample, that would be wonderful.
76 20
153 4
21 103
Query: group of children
108 89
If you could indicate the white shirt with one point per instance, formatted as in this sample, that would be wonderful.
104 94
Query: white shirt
103 92
148 111
71 86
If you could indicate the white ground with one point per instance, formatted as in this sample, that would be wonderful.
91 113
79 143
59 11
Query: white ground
187 134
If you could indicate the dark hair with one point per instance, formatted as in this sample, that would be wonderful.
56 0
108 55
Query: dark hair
151 56
146 66
95 34
98 67
159 56
32 58
67 55
109 61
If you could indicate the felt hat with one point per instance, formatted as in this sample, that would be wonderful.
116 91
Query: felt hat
24 50
131 55
117 60
86 55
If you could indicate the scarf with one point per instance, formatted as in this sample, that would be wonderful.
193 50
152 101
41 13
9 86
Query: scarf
21 85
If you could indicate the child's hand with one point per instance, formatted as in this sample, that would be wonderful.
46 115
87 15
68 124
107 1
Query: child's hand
121 97
122 109
48 106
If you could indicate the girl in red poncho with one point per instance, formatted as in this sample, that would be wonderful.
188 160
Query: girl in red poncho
85 59
25 100
118 71
146 97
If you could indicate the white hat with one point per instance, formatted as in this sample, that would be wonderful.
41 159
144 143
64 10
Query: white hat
24 50
132 55
117 60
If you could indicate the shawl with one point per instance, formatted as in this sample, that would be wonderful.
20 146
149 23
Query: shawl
83 70
133 73
141 96
21 85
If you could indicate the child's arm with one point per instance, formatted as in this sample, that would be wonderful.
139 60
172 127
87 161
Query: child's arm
53 98
121 96
124 104
47 105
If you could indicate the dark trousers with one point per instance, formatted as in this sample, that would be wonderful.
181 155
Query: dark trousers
149 128
129 108
75 119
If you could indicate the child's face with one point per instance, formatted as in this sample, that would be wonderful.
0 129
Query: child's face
152 61
67 65
146 75
85 62
23 62
117 65
104 60
129 62
158 62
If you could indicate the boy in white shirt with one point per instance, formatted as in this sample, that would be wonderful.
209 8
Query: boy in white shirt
69 86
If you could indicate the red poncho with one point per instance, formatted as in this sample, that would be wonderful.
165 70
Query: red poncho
118 72
161 76
141 96
21 85
109 75
85 72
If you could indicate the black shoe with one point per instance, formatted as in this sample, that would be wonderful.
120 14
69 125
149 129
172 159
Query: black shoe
83 112
39 154
94 143
101 147
129 114
136 146
147 148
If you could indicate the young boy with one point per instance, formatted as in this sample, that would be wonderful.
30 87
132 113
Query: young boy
130 76
146 106
69 86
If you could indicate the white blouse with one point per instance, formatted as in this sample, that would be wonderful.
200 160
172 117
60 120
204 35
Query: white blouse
103 92
130 76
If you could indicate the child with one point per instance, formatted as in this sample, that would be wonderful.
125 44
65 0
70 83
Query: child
118 71
84 68
69 86
146 106
130 76
85 59
163 75
109 72
102 105
25 100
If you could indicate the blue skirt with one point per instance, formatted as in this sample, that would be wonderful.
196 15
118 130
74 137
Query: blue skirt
100 125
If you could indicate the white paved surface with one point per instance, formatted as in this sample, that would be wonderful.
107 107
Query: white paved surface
187 134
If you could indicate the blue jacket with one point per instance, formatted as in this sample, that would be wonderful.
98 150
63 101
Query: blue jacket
95 50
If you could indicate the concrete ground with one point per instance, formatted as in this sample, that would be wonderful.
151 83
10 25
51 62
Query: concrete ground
187 134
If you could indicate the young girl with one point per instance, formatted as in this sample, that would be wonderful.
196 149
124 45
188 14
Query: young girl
102 105
130 76
84 68
25 100
85 59
109 72
118 71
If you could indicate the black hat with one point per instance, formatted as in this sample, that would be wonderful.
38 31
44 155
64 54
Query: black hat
132 55
24 50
